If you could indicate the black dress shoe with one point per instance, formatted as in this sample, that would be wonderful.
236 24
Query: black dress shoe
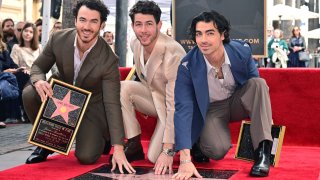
133 150
39 155
107 148
261 164
197 155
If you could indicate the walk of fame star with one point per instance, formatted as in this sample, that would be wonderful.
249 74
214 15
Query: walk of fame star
63 107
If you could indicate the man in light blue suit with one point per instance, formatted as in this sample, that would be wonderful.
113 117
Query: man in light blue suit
218 82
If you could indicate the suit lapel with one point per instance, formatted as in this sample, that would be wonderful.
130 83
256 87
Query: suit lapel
68 59
137 52
89 63
237 69
155 58
200 82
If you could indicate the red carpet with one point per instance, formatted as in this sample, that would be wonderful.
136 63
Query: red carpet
296 163
295 103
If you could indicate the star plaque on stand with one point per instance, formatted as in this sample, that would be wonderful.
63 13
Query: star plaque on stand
245 150
59 117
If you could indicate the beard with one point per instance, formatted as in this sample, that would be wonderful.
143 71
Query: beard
151 39
8 33
87 40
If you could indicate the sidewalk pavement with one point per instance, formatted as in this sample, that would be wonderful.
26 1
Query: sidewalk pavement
14 146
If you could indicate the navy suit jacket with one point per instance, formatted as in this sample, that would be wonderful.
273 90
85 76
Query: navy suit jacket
191 90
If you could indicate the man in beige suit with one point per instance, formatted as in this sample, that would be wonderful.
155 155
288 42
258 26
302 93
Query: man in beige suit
85 60
156 57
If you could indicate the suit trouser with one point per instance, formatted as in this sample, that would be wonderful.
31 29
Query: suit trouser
251 100
136 96
90 139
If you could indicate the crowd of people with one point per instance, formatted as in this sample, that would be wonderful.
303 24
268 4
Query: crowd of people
194 95
283 53
19 48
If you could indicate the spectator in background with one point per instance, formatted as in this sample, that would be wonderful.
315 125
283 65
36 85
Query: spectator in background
270 31
278 50
18 30
169 32
8 33
38 24
56 27
109 38
9 109
297 43
29 48
25 53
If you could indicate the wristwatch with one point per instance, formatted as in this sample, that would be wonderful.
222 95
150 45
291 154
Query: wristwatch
169 152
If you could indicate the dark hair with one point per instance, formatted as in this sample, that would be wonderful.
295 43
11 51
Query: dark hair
34 44
108 32
146 7
97 5
293 29
218 20
38 22
6 20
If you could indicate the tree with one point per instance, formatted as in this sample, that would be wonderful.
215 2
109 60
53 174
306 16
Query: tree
67 15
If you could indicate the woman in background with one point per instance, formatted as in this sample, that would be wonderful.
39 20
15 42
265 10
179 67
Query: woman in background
29 48
9 109
296 44
25 53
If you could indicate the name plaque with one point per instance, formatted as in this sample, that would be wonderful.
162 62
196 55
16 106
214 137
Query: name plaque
59 117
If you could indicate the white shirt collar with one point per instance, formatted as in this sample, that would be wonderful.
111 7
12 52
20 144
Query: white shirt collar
76 40
209 66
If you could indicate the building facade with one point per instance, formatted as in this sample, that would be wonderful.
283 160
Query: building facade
20 10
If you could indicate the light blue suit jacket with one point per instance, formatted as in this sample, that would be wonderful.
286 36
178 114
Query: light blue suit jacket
191 90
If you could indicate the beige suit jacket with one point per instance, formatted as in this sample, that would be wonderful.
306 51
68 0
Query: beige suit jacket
99 74
161 76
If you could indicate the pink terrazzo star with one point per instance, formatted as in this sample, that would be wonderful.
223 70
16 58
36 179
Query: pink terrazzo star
63 107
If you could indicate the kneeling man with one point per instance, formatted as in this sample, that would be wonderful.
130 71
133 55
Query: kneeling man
218 82
157 57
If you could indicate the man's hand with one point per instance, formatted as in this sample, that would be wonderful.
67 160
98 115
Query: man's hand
120 159
44 89
185 171
163 162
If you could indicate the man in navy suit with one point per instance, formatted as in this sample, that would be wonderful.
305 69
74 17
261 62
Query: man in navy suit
218 82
